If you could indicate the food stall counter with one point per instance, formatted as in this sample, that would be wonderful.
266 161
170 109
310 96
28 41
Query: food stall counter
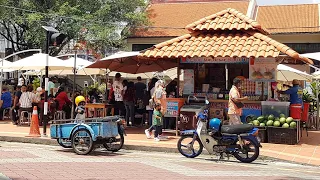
226 101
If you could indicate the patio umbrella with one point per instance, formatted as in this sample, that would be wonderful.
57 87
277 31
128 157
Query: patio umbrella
80 62
128 62
148 75
80 71
286 73
37 62
4 64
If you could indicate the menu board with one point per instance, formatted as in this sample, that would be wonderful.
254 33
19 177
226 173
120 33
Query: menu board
188 84
172 109
263 69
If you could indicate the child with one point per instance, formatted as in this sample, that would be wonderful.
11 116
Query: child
80 102
157 122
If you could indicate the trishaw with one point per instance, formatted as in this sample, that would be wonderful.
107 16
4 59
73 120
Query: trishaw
84 135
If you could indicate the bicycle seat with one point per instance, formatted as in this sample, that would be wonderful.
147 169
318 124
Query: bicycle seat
236 129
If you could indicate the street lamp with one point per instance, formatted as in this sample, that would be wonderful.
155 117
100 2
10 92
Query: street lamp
53 38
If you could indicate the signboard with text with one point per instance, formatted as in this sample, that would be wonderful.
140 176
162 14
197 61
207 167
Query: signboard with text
188 84
172 109
263 69
215 60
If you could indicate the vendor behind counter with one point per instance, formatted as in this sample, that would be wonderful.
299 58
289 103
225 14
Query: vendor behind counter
295 93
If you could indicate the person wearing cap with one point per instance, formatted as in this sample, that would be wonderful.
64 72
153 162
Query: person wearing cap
6 100
118 95
295 93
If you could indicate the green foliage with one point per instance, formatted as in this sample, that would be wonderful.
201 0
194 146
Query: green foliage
307 97
93 21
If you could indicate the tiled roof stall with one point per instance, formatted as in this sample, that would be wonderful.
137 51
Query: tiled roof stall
173 17
249 41
298 18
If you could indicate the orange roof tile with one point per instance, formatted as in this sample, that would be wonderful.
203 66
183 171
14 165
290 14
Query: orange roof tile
222 43
229 19
299 18
173 17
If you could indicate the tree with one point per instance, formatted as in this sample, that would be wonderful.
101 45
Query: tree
94 21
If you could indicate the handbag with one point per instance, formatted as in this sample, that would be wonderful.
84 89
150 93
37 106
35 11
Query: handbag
238 104
152 103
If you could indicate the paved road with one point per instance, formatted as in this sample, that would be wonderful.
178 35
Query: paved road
20 161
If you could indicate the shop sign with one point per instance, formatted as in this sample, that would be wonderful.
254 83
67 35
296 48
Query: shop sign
172 109
263 69
223 60
188 84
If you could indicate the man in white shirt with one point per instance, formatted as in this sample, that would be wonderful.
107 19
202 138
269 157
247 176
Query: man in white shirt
118 95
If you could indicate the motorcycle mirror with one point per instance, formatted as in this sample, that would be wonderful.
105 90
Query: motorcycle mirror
207 102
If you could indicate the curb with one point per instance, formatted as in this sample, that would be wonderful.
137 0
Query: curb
53 142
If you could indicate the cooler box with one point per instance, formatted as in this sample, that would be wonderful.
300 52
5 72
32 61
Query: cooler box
276 108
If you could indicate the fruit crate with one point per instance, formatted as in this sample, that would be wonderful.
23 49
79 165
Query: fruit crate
263 135
279 135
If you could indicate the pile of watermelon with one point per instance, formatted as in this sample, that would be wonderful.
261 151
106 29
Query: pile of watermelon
271 120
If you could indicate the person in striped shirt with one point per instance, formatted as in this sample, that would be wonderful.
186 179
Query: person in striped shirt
27 98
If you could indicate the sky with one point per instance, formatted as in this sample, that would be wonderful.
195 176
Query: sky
283 2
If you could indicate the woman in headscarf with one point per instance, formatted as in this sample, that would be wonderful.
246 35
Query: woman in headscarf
158 95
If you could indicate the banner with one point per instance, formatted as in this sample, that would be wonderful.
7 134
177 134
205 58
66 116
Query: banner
188 84
263 69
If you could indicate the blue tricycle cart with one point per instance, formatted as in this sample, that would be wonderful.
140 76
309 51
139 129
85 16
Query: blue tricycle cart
84 135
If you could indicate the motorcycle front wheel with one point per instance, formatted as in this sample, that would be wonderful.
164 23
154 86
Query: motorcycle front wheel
249 152
189 146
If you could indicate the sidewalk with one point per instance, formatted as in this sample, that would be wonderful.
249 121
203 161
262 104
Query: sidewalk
307 151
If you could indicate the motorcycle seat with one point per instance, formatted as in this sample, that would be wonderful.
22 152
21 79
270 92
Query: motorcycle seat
236 129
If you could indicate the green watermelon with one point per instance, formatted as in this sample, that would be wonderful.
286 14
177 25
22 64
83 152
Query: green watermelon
285 125
261 118
256 122
277 119
271 117
282 116
293 124
270 123
282 120
289 120
262 124
276 124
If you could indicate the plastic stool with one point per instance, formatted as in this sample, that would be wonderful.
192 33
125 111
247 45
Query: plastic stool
22 118
59 115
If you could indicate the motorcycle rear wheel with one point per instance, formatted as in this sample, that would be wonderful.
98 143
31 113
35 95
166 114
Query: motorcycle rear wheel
243 154
190 146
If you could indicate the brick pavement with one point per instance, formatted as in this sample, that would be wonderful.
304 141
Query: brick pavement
307 151
53 162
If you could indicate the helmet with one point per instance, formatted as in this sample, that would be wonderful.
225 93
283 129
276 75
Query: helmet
79 99
214 123
202 116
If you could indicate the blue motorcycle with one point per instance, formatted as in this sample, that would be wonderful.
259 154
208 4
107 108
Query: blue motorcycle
241 140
